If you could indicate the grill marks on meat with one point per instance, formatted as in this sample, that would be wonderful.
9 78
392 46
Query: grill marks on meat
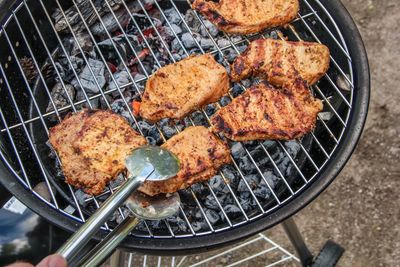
178 89
266 112
247 16
276 61
92 146
200 154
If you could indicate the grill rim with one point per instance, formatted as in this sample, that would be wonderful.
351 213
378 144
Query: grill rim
332 168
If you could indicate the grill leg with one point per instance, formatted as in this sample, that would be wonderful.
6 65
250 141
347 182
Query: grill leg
297 241
117 259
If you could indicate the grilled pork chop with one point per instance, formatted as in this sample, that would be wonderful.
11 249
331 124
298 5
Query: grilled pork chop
247 16
178 89
276 60
266 112
200 154
92 146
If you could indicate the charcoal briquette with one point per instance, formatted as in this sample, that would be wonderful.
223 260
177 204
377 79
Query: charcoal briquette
197 226
168 131
210 109
210 202
212 216
211 28
217 184
206 43
237 90
237 150
176 28
262 192
232 210
172 16
293 148
188 40
145 127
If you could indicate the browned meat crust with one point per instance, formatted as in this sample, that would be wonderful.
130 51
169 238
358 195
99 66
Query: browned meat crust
200 153
92 146
178 89
266 112
275 60
247 16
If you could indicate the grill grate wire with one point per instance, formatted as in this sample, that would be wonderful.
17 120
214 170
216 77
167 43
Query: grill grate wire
301 23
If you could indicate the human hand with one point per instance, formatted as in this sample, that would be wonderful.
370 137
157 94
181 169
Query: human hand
50 261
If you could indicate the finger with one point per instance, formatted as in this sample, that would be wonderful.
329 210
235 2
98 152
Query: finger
20 264
53 261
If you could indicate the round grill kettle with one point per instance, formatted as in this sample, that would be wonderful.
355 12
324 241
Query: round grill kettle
27 30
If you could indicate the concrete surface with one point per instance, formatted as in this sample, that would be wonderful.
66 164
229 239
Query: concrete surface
360 210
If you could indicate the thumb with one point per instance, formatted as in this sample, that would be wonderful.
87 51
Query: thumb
53 261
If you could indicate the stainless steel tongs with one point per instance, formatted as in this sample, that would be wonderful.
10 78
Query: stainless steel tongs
145 163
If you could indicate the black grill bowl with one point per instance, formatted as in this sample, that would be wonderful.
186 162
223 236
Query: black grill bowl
37 163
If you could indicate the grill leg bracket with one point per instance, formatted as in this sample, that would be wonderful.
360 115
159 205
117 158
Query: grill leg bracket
328 256
297 241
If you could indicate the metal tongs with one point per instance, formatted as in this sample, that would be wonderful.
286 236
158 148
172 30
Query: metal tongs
145 163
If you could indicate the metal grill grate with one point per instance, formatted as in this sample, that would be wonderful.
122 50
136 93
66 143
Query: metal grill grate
30 33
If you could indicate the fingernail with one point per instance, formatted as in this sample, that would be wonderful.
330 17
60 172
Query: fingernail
57 261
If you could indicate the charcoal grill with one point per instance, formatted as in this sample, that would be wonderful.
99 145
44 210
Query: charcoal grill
292 174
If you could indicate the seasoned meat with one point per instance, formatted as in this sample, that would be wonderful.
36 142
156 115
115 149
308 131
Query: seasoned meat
178 89
276 60
266 112
105 140
200 154
92 146
250 16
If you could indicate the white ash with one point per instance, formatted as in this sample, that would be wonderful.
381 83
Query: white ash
139 76
72 17
188 40
117 217
343 83
212 216
237 150
222 43
268 144
59 94
236 39
82 197
192 21
293 147
67 65
121 80
252 181
117 181
206 43
176 28
212 29
325 116
172 15
271 179
110 23
177 57
86 77
95 103
82 41
175 45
